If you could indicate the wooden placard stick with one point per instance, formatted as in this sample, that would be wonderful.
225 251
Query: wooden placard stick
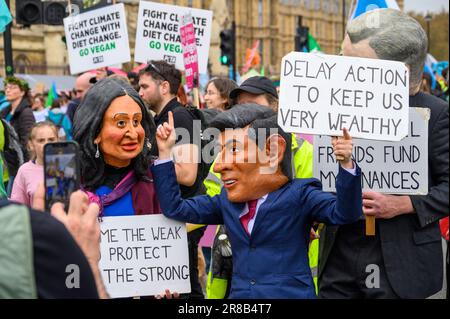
370 220
370 225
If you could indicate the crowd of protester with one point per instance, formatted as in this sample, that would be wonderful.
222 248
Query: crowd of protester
120 183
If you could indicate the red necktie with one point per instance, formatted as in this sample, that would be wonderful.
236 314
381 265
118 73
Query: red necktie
251 213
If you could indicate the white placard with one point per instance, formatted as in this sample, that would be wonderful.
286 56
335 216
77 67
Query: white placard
97 38
144 255
386 167
158 34
321 94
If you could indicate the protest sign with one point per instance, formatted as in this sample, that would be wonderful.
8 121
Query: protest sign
190 56
97 38
143 256
386 167
158 34
321 94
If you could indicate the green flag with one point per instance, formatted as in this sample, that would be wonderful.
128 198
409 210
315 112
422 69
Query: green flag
52 95
313 45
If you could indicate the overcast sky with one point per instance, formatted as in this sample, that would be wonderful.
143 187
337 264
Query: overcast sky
424 6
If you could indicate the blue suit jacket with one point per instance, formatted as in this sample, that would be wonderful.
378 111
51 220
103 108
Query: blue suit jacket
273 261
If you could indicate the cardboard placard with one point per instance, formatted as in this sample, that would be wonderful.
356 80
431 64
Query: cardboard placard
144 255
97 38
158 34
321 94
387 167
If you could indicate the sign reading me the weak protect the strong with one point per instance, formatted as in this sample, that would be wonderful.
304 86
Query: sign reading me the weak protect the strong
143 256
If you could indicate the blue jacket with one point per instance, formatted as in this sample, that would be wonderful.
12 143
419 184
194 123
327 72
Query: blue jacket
273 261
3 102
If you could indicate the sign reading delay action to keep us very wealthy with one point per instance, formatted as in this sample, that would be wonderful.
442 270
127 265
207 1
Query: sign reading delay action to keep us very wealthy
322 94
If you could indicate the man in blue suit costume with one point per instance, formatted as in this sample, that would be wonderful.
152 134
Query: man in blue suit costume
267 213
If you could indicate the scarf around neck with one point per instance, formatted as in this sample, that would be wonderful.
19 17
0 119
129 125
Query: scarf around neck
119 191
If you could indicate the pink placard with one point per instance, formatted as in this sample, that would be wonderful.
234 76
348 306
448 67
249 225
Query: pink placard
190 55
208 237
307 137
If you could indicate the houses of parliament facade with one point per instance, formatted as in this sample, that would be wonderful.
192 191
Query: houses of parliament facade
39 49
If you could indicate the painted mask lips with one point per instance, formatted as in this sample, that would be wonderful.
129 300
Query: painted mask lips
228 183
130 147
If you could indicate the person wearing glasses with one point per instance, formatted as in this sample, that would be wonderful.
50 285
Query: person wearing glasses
217 93
19 113
159 83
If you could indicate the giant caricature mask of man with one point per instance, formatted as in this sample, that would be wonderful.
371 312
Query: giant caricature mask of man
248 170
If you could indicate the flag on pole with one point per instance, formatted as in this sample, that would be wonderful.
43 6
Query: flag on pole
5 16
250 56
312 44
52 95
361 6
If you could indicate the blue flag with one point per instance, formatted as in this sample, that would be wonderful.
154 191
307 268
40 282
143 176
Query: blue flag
362 6
5 16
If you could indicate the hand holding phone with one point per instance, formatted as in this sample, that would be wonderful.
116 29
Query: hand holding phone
61 172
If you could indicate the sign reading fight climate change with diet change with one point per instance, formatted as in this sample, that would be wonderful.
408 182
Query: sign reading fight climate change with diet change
158 34
386 167
143 256
97 38
322 94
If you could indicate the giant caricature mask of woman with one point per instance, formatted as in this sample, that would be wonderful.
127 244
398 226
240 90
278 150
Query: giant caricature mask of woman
115 132
121 138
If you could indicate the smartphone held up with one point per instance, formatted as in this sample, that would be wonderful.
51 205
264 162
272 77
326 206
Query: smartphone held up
61 167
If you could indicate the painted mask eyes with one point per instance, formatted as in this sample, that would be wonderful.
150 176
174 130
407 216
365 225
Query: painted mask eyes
121 124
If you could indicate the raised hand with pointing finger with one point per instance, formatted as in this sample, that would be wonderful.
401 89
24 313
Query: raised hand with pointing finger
343 147
165 138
